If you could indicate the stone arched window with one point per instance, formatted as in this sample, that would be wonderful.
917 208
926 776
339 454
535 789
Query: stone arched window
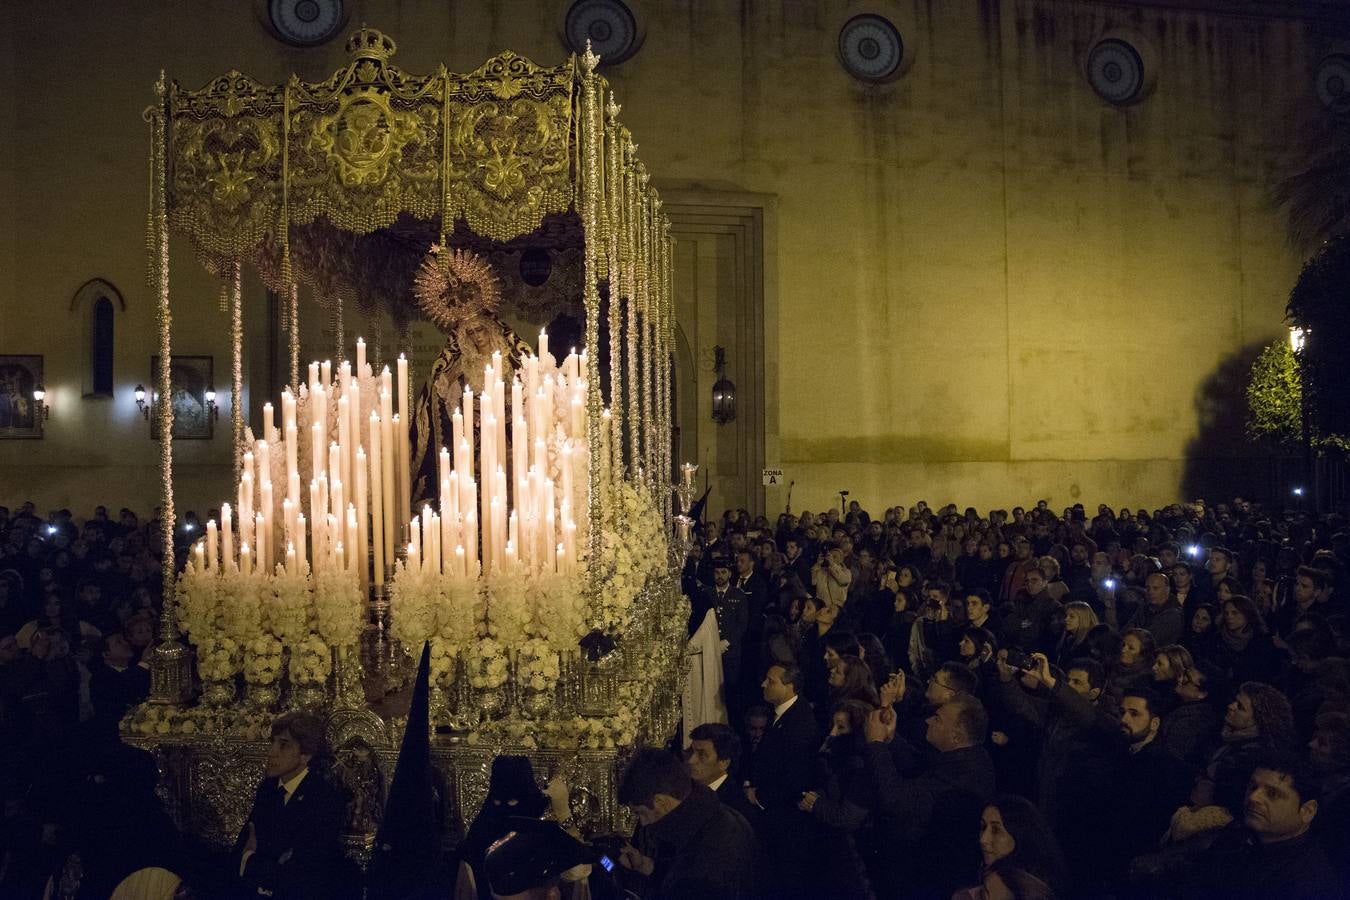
97 303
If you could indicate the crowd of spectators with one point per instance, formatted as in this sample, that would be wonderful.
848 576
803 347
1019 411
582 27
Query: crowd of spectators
79 609
929 703
1037 703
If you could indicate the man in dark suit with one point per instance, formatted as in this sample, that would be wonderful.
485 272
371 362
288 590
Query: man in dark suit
289 847
115 684
782 772
714 751
752 583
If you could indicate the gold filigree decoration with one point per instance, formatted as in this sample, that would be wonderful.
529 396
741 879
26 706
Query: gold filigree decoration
226 164
507 156
363 138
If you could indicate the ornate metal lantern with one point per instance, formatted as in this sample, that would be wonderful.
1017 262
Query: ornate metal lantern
724 390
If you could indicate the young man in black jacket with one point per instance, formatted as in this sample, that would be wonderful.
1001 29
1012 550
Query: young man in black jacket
696 846
289 846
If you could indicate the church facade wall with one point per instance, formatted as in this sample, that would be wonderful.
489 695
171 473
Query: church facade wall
990 285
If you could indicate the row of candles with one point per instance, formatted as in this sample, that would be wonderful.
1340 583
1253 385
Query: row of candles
356 497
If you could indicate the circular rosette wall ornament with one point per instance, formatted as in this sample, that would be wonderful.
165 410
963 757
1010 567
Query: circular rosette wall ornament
871 48
1333 83
609 25
306 23
1115 69
457 290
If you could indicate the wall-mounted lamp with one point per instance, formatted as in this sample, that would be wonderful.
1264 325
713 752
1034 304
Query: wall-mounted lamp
1298 337
724 390
140 402
211 407
40 398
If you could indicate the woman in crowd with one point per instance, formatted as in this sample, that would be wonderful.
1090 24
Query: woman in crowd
977 647
850 679
841 798
1020 855
1079 620
1169 667
873 652
1202 631
1259 720
1134 665
1243 649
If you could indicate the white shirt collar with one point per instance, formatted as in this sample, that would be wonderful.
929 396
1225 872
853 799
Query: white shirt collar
290 786
718 783
783 707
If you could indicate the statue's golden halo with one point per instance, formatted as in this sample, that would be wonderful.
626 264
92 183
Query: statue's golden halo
457 289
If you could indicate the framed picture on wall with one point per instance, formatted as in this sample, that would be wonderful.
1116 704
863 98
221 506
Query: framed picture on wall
190 377
20 417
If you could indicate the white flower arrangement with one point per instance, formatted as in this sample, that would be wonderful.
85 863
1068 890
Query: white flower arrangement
288 609
539 665
218 658
462 613
442 662
198 604
339 613
558 610
490 669
240 598
413 600
508 607
262 660
151 719
311 661
632 548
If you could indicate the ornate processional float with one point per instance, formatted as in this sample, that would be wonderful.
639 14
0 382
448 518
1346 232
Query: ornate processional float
516 514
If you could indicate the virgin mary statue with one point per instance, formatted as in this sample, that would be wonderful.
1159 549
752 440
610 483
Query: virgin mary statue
457 290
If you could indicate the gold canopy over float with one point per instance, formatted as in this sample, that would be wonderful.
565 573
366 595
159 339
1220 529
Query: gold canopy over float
290 177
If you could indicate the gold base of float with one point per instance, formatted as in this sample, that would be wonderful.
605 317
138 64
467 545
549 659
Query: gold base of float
210 751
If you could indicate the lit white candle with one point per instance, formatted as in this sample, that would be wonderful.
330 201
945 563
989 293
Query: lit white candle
343 470
360 356
302 554
362 544
339 558
269 424
313 375
260 526
226 537
292 462
199 556
565 463
377 507
413 563
578 429
388 450
268 524
326 373
471 541
317 444
461 563
402 474
316 524
265 465
211 541
466 410
245 560
292 563
427 540
457 436
351 540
